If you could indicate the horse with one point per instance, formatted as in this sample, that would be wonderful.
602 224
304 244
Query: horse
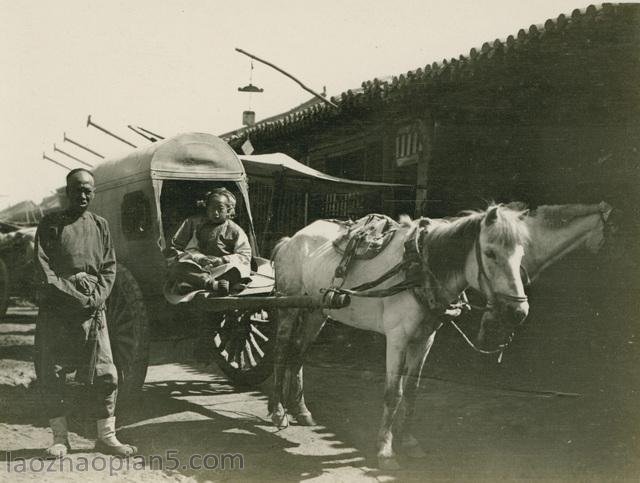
554 232
481 249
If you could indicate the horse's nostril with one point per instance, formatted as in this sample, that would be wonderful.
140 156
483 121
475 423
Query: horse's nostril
520 313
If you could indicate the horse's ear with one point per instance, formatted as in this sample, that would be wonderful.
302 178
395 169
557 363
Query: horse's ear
516 206
491 216
523 214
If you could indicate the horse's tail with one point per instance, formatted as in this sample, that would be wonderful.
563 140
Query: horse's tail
279 245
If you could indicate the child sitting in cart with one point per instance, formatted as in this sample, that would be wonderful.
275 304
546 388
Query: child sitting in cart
210 252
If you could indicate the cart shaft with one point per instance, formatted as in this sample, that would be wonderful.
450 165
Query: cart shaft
221 304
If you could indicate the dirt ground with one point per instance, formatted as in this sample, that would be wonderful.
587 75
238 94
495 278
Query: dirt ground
561 406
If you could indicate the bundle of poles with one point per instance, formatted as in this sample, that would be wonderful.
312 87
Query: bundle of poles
141 131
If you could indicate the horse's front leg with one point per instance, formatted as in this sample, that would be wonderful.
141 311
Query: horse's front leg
304 335
396 351
417 352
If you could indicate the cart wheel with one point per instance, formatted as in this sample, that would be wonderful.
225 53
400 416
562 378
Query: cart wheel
4 288
243 345
129 334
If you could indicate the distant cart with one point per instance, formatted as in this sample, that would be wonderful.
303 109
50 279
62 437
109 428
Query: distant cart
16 273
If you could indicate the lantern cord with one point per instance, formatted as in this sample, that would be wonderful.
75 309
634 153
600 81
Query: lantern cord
250 83
282 71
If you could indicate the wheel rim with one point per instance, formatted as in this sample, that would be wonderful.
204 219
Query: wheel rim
242 339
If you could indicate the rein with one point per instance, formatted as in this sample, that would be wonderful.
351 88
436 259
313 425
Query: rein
500 349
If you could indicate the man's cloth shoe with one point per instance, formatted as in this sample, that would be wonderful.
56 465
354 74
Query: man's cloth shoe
57 451
122 450
107 442
60 446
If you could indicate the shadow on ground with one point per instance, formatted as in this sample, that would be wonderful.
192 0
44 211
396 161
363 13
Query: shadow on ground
562 405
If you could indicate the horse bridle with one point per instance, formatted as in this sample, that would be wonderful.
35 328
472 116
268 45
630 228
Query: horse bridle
483 279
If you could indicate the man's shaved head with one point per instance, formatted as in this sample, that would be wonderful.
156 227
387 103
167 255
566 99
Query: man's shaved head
80 189
78 173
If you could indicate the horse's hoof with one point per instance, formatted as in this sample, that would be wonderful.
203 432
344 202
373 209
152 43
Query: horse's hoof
414 452
411 447
305 419
388 463
280 421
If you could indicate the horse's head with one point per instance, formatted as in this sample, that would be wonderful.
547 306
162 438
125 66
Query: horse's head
556 230
498 253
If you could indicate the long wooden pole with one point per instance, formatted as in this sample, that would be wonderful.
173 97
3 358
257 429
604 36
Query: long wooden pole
151 133
282 71
44 156
76 143
146 136
56 148
100 128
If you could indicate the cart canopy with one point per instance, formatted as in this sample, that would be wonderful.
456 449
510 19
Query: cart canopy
185 156
280 168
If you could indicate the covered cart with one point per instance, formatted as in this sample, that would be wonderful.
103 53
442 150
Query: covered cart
145 196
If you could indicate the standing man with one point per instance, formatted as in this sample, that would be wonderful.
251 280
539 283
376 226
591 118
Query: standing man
75 270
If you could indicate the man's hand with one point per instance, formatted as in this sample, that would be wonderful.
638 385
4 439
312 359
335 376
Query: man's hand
213 261
83 283
207 262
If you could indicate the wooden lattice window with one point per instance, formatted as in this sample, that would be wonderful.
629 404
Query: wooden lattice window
408 144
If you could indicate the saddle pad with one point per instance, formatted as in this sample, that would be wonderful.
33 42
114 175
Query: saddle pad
366 237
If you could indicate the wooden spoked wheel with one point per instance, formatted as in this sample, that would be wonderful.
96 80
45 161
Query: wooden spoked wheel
4 288
243 345
128 325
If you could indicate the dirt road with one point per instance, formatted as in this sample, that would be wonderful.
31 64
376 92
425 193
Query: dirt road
563 410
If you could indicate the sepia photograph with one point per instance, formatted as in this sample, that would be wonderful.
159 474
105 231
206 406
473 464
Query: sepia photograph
347 241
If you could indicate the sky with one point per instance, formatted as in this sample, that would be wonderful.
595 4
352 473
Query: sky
170 66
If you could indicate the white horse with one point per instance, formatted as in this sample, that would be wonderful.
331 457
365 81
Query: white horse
554 232
481 249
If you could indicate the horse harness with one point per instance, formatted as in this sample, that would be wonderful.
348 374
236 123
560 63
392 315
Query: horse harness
413 267
418 278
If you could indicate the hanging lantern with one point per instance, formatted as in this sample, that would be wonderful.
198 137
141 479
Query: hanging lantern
250 88
249 116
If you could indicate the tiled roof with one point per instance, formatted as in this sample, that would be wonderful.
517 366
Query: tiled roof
421 80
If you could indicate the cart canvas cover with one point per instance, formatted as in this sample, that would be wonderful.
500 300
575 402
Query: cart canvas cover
278 167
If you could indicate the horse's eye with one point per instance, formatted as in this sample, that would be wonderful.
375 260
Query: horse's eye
490 254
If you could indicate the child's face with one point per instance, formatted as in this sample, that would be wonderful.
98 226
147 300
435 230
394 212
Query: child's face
217 209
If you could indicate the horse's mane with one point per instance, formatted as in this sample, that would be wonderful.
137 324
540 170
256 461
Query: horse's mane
449 240
559 215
